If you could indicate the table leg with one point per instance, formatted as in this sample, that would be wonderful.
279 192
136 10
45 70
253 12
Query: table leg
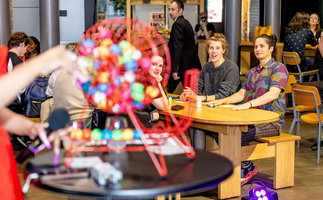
230 147
177 197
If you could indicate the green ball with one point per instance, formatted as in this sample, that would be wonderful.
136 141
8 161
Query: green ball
137 87
116 135
96 134
124 44
137 96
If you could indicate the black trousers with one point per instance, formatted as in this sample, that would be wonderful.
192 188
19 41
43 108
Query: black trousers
172 84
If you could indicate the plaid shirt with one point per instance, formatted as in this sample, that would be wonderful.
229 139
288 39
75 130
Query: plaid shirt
261 79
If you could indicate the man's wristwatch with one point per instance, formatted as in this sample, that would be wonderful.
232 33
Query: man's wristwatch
206 98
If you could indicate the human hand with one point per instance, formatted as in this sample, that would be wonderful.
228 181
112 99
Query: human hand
244 106
189 94
182 97
175 76
216 102
154 115
203 24
56 58
159 78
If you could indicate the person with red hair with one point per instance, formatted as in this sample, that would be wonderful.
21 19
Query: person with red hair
17 124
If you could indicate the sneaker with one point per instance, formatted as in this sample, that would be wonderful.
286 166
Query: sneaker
247 172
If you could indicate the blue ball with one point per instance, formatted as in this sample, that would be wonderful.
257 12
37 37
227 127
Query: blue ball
117 81
106 134
88 42
115 49
131 65
138 105
96 65
86 87
103 87
136 135
94 91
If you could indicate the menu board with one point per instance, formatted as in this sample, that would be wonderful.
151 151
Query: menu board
214 11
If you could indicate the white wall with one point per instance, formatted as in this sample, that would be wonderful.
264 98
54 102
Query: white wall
25 14
72 26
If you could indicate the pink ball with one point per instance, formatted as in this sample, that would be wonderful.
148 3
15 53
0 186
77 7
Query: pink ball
126 94
86 51
109 92
114 73
104 34
122 108
145 63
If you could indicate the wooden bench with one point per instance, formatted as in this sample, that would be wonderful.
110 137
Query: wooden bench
281 147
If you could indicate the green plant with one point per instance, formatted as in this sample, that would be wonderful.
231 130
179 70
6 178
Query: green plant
119 5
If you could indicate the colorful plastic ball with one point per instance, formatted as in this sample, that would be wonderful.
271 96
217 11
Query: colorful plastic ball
114 73
137 87
122 108
152 91
145 63
137 96
96 53
86 87
94 89
138 105
104 52
87 134
99 97
117 81
115 108
127 134
88 42
125 94
117 134
75 133
82 62
102 104
147 99
103 87
115 97
130 50
129 76
136 55
136 135
106 134
106 43
104 34
125 58
96 134
109 92
131 65
96 65
103 77
124 85
109 103
115 49
124 44
86 50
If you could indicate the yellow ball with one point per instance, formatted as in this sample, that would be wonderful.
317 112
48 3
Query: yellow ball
152 91
127 134
104 52
76 134
130 50
106 42
102 104
104 77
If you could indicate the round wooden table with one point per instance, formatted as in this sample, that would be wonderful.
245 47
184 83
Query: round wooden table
140 177
230 124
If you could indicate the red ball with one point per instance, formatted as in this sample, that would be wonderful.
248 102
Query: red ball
116 97
124 85
110 103
147 99
87 134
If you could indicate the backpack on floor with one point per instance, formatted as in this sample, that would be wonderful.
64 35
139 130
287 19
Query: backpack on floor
35 95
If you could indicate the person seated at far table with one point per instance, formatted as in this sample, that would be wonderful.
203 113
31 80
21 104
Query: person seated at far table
203 30
264 88
219 78
315 26
296 37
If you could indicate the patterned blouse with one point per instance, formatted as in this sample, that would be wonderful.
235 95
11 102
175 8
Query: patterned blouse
261 79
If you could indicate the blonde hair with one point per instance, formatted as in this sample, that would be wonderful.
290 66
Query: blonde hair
219 37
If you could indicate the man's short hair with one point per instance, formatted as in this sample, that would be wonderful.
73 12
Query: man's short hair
17 38
179 3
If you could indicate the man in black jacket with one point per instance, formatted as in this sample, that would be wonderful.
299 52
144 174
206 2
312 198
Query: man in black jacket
181 45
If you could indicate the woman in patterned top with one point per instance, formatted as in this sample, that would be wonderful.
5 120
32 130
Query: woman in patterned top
296 37
264 88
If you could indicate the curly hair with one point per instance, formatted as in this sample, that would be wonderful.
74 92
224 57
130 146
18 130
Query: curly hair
318 26
299 21
271 40
219 37
17 38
